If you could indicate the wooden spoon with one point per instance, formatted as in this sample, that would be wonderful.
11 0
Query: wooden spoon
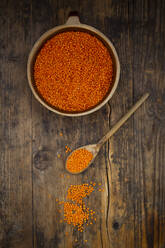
95 148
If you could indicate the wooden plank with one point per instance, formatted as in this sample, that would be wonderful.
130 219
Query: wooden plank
120 210
15 129
150 160
137 189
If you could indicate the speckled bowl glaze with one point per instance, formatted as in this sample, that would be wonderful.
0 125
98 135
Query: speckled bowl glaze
72 24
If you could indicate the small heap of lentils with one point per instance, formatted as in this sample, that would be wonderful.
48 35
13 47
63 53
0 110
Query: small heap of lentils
73 71
77 192
76 213
78 160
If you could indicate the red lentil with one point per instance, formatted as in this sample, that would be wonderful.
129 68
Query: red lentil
67 149
75 215
78 160
73 71
77 192
75 211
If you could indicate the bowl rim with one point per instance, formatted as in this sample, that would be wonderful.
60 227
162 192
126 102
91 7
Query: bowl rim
38 44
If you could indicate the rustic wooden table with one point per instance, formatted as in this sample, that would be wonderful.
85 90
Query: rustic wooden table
131 166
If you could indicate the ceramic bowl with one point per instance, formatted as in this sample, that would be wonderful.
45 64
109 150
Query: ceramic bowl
73 24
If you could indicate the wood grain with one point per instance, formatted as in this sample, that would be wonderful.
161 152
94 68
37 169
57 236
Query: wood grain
15 138
130 167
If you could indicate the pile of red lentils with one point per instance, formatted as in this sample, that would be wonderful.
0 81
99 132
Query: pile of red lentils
73 71
76 212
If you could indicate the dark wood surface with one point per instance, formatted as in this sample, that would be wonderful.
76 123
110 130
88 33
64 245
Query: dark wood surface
131 166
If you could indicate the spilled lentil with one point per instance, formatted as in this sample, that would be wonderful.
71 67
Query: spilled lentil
73 71
76 213
67 149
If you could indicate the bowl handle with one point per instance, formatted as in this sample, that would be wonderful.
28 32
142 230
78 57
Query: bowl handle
73 18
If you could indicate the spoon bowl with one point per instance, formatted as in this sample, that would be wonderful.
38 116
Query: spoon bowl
93 148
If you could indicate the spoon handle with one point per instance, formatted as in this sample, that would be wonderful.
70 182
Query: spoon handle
123 119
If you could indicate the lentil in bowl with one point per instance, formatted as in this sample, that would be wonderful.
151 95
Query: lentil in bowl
72 71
